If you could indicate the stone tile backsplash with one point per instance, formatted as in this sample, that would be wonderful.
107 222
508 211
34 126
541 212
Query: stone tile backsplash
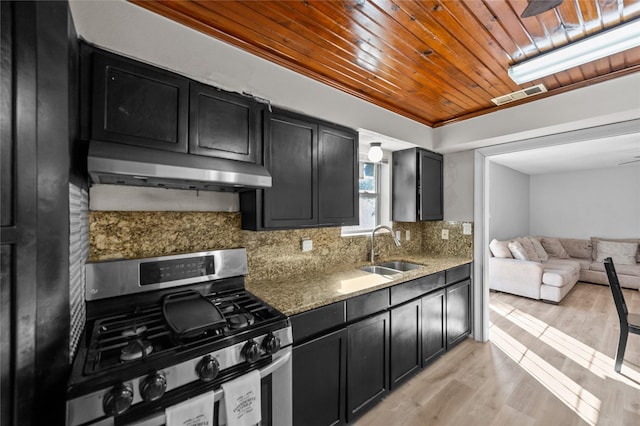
271 254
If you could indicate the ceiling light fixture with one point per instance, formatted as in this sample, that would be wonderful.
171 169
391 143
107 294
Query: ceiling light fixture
615 40
375 152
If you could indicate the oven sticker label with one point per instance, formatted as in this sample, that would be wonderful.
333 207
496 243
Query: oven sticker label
196 411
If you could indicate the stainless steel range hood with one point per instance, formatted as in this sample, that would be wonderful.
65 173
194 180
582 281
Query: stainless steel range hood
120 164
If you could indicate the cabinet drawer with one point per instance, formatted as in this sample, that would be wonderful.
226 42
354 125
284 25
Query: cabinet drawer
458 273
416 288
367 304
317 320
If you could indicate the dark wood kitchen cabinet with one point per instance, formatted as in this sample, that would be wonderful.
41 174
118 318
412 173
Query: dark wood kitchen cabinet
314 170
223 124
417 185
405 341
434 337
138 104
458 312
367 363
319 380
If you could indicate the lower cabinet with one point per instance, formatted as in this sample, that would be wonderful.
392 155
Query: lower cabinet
383 338
434 337
367 363
458 312
319 380
405 341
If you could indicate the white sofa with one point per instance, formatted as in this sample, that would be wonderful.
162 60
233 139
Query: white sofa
568 261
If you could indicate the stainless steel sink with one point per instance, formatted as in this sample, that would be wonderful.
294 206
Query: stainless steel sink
390 268
380 270
400 266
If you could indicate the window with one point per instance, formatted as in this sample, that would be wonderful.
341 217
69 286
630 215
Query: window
374 194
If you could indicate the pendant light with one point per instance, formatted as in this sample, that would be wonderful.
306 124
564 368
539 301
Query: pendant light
375 152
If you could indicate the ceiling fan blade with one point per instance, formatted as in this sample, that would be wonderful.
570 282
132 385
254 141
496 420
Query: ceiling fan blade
536 7
629 162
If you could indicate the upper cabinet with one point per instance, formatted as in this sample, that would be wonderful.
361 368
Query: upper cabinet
314 167
223 124
417 185
138 104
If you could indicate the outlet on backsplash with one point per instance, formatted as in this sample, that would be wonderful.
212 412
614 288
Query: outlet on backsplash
445 234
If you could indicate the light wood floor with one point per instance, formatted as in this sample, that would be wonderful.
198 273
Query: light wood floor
544 365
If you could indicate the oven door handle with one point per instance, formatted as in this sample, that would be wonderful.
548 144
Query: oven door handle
284 355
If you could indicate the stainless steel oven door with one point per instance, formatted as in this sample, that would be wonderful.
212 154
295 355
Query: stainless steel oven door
277 408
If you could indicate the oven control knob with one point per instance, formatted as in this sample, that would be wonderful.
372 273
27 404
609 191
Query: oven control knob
208 368
271 344
251 351
117 400
153 387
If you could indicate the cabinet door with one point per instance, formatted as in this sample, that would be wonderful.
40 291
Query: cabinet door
367 364
222 124
458 312
290 156
405 341
319 381
434 341
430 193
138 104
337 177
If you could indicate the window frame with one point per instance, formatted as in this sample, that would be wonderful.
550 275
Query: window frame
348 231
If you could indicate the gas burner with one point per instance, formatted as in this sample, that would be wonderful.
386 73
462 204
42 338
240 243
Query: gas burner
240 320
136 349
228 309
134 331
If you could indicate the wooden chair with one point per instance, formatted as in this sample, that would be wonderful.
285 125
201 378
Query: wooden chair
629 323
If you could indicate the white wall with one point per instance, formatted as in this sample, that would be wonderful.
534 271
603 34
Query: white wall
590 203
509 193
458 186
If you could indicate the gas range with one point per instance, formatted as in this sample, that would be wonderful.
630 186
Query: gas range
162 330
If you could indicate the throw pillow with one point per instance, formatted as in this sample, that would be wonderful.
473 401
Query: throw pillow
553 247
595 240
542 254
518 251
621 253
528 247
500 249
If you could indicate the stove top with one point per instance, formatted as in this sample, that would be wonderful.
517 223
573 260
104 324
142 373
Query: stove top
142 334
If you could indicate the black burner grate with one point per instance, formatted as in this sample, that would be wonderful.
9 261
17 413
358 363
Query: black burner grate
113 333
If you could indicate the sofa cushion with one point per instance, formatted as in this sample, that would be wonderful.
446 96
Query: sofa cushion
537 246
517 250
621 253
633 270
553 247
595 240
500 249
580 249
559 277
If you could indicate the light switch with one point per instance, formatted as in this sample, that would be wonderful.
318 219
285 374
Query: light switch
466 228
445 234
307 244
407 235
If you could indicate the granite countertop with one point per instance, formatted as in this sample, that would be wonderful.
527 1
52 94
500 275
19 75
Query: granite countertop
299 293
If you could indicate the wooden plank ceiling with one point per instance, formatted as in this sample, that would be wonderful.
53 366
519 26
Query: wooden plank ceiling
435 62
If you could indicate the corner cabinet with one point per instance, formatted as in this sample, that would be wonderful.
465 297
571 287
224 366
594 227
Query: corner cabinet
417 185
314 170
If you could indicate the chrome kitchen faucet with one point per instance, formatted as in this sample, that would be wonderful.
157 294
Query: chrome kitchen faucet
373 233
